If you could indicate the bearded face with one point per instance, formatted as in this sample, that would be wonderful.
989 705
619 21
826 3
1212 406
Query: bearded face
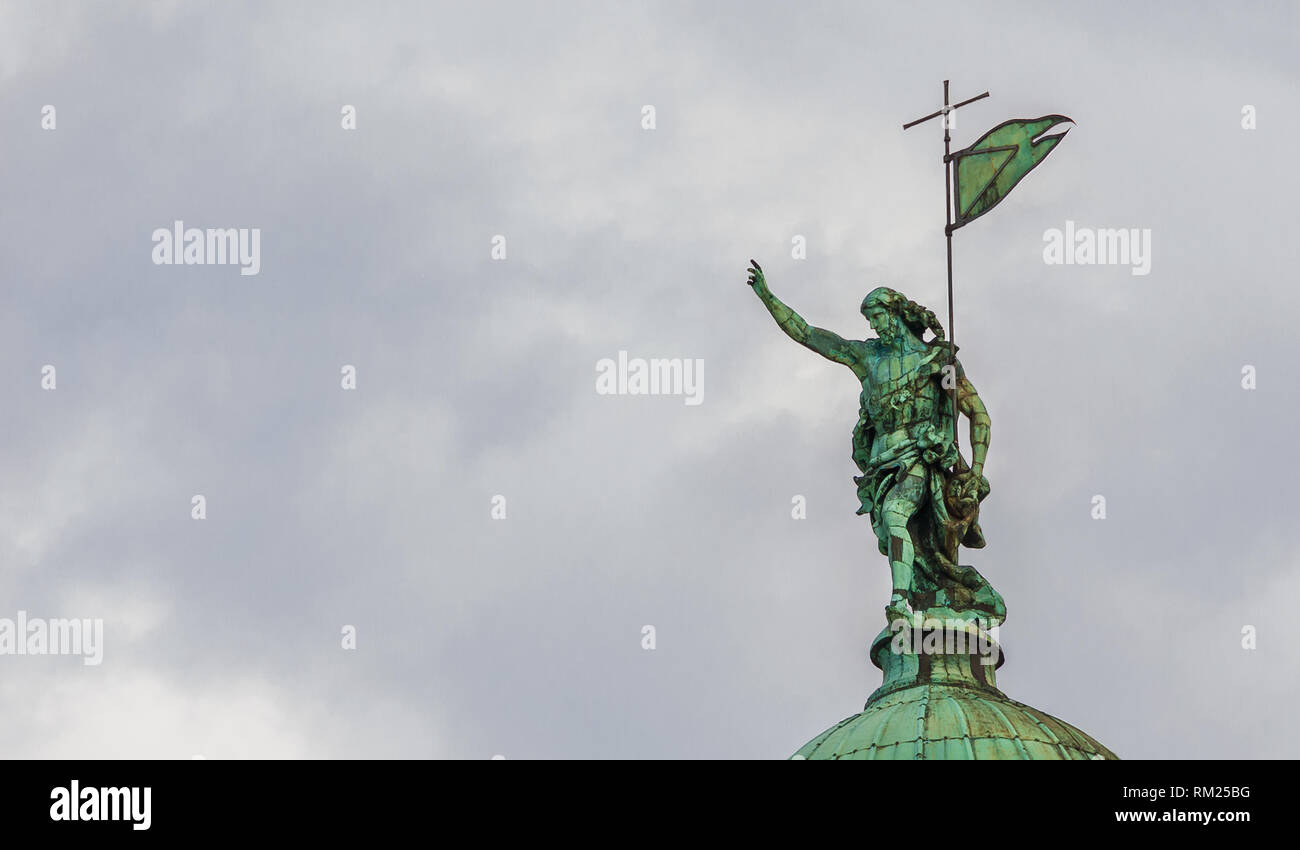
883 322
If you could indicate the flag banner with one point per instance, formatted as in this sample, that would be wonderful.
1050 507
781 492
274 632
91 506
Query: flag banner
986 172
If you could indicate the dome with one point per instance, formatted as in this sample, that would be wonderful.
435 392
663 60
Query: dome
939 700
952 722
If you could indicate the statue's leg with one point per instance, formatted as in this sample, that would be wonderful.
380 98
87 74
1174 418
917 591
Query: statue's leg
899 505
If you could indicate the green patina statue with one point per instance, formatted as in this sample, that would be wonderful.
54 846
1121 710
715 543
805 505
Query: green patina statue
938 653
921 494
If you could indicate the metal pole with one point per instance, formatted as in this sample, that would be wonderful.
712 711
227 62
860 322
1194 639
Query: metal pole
947 231
948 109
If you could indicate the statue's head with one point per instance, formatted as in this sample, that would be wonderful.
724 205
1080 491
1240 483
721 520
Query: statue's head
891 314
881 309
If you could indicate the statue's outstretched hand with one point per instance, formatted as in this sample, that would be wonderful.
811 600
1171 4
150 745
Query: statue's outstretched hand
756 278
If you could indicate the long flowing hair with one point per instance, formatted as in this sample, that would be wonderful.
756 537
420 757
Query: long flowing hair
915 318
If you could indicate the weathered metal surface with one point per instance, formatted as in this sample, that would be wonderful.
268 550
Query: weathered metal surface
922 496
951 722
986 172
939 697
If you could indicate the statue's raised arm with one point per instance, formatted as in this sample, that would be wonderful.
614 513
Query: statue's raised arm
826 343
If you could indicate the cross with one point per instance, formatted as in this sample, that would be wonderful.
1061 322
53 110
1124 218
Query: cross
947 226
946 108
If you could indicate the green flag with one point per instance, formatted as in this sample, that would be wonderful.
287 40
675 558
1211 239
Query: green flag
986 172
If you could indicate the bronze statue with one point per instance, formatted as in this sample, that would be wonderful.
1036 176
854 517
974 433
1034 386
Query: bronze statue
922 495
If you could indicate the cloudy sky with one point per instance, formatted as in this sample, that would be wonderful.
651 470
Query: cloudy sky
522 636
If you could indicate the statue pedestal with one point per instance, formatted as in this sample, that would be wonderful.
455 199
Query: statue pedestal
927 649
